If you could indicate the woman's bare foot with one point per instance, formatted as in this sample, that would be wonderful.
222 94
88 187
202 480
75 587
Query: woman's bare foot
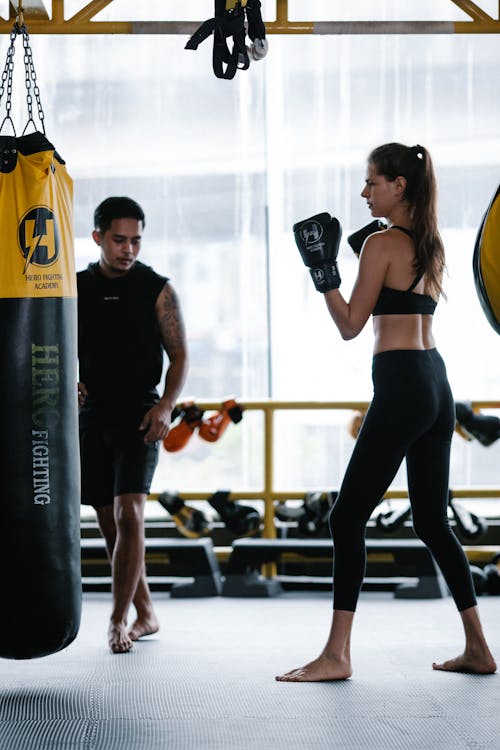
480 663
142 627
119 641
322 669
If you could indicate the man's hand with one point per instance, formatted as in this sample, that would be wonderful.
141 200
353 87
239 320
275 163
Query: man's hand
82 394
156 422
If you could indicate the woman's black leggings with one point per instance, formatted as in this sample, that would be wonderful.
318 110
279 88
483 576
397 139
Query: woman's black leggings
412 416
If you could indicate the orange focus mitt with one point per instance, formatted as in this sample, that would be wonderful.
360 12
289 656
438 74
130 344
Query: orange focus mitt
179 435
212 428
355 423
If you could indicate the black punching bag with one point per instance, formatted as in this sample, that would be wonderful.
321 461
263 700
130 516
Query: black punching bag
40 579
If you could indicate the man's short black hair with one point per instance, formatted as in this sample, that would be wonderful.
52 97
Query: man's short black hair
116 208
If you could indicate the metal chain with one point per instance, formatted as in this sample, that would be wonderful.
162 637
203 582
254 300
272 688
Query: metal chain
27 81
30 78
6 82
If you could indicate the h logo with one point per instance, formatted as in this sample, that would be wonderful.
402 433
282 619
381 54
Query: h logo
38 237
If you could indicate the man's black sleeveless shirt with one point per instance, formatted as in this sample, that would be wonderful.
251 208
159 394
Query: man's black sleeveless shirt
119 345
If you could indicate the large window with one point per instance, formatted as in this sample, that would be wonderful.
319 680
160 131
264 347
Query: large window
224 168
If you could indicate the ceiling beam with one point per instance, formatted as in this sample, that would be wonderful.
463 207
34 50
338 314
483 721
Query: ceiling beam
38 22
33 10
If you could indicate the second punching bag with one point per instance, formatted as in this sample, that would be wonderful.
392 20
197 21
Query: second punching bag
486 262
39 463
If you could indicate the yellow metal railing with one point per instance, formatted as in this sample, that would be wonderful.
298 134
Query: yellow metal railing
269 494
39 21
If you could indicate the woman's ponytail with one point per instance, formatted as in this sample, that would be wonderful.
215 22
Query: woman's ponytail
414 163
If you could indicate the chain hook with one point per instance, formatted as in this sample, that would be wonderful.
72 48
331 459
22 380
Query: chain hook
20 14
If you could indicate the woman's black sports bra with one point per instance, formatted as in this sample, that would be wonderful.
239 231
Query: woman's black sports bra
404 302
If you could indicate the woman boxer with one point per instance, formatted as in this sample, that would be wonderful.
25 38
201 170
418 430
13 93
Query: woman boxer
412 414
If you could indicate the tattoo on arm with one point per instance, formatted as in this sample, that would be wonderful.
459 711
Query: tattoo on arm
170 322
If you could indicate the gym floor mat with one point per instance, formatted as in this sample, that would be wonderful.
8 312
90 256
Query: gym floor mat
206 680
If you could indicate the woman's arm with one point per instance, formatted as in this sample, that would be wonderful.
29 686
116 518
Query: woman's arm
350 317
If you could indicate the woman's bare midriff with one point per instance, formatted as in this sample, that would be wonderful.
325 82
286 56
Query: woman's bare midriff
402 332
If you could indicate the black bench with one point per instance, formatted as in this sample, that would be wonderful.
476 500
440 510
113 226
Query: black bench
410 556
194 558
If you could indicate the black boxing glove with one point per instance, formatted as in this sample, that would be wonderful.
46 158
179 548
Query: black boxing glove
318 240
356 239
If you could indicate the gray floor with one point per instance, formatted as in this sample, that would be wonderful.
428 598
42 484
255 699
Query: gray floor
207 681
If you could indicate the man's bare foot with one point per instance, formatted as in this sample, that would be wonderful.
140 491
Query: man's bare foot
119 641
470 663
322 669
146 626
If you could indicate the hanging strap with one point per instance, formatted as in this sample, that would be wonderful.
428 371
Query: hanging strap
230 21
30 81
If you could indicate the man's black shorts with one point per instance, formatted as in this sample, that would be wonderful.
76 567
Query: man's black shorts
115 460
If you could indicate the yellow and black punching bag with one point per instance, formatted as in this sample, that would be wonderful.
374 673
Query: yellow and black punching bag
486 262
40 576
